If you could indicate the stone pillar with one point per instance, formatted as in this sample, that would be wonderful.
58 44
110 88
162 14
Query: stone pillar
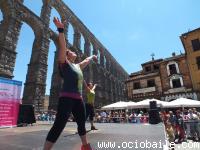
106 87
120 91
87 48
106 82
77 39
46 12
35 85
111 68
88 69
117 90
94 67
109 90
96 79
107 65
101 58
66 29
9 33
101 84
95 50
123 92
112 91
56 83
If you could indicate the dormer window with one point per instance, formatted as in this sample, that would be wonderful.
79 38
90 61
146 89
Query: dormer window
156 67
136 85
172 68
196 44
148 68
151 83
176 83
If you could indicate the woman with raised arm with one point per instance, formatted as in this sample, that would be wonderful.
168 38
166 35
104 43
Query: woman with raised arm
70 97
89 105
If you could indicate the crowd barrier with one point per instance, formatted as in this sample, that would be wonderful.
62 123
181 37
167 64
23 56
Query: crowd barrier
192 128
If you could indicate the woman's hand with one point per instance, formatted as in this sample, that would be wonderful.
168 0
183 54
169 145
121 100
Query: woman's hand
61 40
58 23
86 61
95 59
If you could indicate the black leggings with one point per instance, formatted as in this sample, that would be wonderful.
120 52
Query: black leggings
89 111
65 107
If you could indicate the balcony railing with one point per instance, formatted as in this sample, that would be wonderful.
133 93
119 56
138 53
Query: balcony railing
176 90
144 90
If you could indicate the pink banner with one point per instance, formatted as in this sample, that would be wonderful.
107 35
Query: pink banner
10 91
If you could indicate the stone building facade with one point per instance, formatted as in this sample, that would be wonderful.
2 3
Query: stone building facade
164 79
145 83
191 44
175 77
108 73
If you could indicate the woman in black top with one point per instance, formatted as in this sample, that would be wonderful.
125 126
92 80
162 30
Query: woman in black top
70 99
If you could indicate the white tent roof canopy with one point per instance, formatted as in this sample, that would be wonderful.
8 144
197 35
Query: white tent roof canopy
182 102
145 103
117 105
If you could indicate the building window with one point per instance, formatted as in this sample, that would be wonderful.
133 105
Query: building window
136 85
156 67
176 83
198 62
150 83
148 68
196 44
172 69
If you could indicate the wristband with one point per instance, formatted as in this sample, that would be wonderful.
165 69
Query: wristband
60 30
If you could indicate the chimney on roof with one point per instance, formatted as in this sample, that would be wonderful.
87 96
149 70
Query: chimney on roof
173 54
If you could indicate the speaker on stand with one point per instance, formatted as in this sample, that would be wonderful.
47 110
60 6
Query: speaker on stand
154 117
26 115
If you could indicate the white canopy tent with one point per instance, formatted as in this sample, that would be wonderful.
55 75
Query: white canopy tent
182 102
117 105
145 104
130 103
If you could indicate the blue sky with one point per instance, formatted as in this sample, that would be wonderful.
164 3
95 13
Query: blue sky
130 29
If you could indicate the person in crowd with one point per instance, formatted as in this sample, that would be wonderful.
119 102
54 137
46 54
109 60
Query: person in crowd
193 118
179 127
89 104
170 131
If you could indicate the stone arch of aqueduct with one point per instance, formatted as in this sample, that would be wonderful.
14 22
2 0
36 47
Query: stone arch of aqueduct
107 72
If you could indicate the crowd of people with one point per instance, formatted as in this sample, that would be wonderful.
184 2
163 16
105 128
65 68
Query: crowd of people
46 116
121 117
102 117
182 125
